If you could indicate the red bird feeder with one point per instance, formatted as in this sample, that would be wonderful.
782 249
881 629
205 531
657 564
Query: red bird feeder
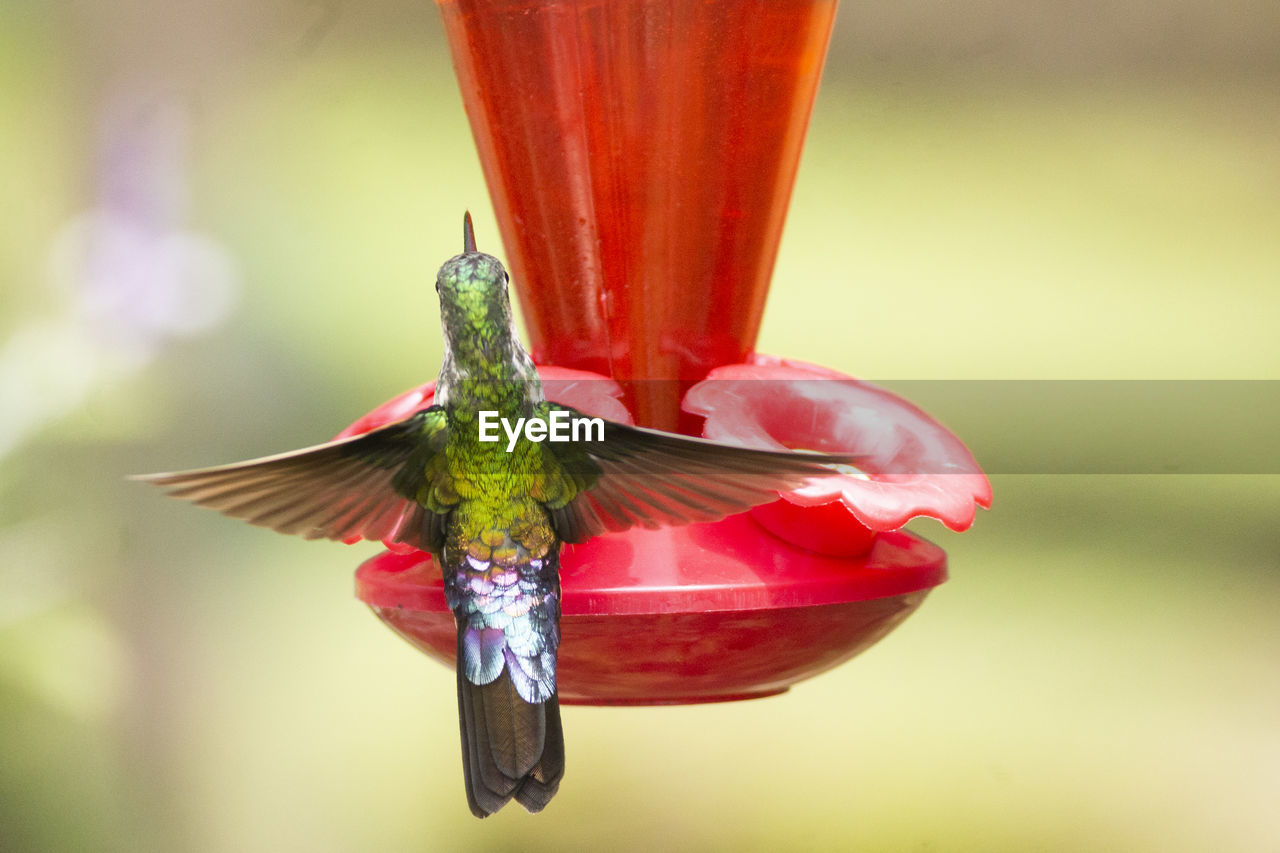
640 155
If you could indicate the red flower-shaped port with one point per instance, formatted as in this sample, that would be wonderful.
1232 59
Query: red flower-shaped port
702 613
912 466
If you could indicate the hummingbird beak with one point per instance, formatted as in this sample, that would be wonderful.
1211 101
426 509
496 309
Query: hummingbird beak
468 234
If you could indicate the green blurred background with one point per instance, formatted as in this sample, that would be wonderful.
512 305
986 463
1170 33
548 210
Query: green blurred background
1008 190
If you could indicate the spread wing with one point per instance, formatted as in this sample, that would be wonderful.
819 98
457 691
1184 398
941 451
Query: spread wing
388 484
643 477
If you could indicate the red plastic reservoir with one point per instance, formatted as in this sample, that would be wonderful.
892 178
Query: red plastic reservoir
640 155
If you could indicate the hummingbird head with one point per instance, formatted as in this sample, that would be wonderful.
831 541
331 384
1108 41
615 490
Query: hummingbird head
474 307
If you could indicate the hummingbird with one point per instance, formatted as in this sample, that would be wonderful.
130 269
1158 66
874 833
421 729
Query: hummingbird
495 514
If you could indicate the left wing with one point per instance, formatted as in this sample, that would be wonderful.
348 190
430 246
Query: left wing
637 476
388 484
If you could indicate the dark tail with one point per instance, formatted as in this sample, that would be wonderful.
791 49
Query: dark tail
511 749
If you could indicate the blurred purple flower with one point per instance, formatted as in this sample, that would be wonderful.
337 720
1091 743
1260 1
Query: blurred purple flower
135 276
130 275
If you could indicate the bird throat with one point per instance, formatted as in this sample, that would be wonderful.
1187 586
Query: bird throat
487 368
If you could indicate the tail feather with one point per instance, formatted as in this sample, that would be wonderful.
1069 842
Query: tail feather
511 749
542 782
